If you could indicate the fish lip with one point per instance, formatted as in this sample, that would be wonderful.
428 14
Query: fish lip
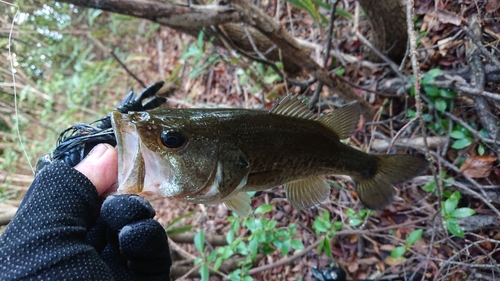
127 145
157 179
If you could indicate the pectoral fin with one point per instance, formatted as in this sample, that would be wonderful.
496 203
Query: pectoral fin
307 193
240 204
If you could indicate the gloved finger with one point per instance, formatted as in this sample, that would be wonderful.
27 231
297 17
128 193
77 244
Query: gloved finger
120 210
96 236
101 167
144 244
59 196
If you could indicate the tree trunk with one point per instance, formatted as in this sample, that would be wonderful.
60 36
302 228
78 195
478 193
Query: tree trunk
388 21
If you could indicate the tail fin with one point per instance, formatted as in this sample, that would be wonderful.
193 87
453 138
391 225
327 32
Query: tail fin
377 191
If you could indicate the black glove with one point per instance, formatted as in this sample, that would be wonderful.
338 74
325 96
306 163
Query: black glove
58 234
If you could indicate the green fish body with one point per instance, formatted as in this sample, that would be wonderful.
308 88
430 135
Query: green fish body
216 155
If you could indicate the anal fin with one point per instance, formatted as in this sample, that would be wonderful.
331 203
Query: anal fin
308 192
240 204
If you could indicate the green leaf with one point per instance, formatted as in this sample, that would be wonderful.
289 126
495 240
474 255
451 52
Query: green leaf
453 227
321 246
398 252
342 13
230 236
431 91
431 75
480 150
310 8
269 79
338 225
414 236
205 274
218 263
285 248
446 93
340 71
430 187
355 222
450 204
179 230
264 208
319 225
93 14
440 105
253 246
322 4
461 143
463 213
248 278
227 253
199 241
457 135
296 244
411 113
327 247
235 275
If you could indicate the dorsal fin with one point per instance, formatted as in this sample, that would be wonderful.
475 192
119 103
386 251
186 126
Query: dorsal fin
342 120
293 107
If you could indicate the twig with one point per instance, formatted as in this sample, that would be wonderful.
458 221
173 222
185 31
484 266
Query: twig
212 239
319 86
104 49
260 58
127 70
387 60
400 132
456 85
489 122
480 46
418 99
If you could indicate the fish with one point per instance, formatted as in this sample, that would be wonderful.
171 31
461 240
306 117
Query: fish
213 156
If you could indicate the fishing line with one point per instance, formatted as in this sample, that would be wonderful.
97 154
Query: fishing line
11 60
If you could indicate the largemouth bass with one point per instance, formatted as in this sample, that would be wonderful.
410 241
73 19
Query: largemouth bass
216 155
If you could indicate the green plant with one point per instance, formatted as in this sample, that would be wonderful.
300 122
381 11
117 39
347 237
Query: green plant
432 185
265 238
412 238
323 225
357 218
450 214
172 229
197 53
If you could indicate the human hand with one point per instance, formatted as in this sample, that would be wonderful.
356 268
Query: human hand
58 232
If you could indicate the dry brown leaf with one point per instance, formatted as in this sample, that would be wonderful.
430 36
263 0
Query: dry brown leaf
392 261
478 166
492 6
387 247
353 266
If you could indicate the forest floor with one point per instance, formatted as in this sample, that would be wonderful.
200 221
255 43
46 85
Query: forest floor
463 162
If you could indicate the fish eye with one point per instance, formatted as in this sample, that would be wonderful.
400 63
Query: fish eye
172 139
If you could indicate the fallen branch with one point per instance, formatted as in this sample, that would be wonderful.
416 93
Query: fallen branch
212 239
290 48
418 142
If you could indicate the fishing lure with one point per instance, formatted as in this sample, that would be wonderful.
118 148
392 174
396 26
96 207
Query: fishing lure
74 143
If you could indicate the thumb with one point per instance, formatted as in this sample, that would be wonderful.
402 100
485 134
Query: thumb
101 168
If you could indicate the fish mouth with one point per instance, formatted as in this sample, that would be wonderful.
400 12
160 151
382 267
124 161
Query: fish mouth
141 171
